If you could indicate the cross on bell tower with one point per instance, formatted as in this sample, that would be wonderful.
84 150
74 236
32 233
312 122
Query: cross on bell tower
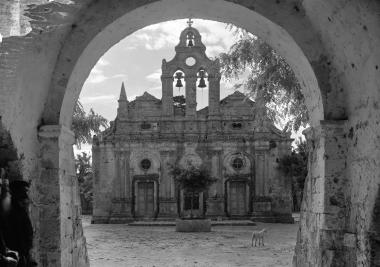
191 64
190 22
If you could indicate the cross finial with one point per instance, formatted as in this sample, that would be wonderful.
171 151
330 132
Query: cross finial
190 22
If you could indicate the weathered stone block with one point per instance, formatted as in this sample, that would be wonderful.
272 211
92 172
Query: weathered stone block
193 225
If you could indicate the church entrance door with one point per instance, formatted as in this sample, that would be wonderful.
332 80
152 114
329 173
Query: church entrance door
238 198
145 199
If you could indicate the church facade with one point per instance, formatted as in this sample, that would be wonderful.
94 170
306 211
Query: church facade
132 158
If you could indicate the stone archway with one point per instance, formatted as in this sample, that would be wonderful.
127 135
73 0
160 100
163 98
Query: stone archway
77 58
331 45
375 233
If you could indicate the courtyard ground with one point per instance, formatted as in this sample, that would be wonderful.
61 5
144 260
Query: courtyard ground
122 245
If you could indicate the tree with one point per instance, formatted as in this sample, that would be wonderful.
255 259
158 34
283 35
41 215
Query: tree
85 125
270 80
294 166
192 180
84 175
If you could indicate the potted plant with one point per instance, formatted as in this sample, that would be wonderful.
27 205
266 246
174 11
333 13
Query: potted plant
192 180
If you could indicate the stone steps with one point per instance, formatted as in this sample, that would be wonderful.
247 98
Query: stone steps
213 223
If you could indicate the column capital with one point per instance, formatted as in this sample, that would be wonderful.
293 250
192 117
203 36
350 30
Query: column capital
56 131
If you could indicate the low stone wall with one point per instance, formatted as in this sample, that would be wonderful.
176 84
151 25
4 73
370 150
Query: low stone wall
196 225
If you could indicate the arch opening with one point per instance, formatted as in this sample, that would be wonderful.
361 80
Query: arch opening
97 45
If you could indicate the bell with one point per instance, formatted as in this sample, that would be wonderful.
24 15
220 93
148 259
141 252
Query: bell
179 83
190 44
202 83
178 76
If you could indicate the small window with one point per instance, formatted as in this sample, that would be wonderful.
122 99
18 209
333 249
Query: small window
237 163
237 125
145 164
145 126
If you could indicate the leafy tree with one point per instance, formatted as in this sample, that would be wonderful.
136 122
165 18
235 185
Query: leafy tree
84 175
192 180
294 166
85 125
270 80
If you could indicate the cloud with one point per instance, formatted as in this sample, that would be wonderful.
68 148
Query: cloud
99 98
166 34
155 76
97 75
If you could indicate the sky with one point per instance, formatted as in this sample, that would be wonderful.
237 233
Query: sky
136 61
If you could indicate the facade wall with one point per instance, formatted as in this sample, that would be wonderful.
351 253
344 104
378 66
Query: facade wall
115 196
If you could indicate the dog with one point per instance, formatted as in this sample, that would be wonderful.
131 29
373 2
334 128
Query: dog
258 235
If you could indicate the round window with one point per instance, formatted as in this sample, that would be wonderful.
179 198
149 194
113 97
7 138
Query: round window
190 61
145 164
237 163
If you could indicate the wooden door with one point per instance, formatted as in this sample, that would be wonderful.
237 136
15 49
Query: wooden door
145 199
238 198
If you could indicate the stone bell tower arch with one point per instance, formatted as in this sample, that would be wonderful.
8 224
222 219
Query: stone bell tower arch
191 59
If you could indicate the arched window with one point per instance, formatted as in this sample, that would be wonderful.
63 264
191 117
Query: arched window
237 163
190 39
145 164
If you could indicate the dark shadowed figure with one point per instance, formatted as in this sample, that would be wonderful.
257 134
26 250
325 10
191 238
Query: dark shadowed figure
19 233
7 256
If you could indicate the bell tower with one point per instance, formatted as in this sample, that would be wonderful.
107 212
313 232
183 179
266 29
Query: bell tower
191 65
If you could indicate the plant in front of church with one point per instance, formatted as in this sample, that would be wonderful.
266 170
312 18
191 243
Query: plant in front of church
84 124
270 81
294 166
84 175
193 180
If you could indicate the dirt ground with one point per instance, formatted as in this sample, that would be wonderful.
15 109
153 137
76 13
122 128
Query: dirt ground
122 245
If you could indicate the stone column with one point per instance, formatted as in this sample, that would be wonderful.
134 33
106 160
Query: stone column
322 239
261 150
167 95
60 237
215 201
10 18
168 203
214 96
191 96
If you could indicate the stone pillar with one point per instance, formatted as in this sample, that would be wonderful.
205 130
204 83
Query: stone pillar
191 96
214 96
216 198
10 17
104 184
261 150
322 239
121 204
167 200
61 240
167 95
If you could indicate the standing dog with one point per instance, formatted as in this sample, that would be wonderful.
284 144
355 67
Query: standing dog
258 235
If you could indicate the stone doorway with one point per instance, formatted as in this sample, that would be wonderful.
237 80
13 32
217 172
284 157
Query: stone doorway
196 199
145 196
145 199
237 198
